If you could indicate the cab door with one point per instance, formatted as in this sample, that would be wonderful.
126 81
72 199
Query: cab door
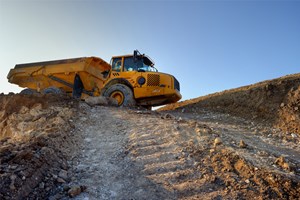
130 71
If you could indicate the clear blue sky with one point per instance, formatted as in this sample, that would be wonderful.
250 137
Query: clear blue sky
209 46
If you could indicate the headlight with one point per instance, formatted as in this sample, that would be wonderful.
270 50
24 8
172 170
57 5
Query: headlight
141 80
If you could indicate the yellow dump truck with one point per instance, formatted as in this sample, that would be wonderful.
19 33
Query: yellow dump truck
130 79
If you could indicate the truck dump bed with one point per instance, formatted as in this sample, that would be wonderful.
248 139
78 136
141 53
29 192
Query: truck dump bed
93 72
52 63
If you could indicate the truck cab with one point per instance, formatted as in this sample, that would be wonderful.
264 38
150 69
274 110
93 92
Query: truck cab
136 62
149 87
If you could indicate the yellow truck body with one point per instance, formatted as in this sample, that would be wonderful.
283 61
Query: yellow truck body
92 76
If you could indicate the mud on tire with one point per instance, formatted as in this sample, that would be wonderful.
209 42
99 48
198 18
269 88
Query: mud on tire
122 93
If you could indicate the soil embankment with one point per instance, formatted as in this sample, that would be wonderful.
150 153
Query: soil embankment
36 139
275 102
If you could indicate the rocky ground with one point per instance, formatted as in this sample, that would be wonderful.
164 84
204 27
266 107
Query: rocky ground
36 137
53 147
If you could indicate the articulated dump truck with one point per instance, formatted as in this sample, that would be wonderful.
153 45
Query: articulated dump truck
130 79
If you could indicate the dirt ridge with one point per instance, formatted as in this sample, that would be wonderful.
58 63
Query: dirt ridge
276 102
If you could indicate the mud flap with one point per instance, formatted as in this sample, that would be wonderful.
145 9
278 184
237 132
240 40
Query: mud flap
77 87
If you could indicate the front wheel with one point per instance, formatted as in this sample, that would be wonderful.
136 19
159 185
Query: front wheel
122 93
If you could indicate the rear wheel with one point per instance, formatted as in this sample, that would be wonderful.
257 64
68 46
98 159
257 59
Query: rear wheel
52 90
28 91
122 93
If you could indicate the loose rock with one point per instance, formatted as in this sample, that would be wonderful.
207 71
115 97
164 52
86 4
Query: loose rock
242 144
63 174
101 100
217 141
76 190
60 180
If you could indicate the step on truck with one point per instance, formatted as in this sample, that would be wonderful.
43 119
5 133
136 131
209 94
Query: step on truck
130 79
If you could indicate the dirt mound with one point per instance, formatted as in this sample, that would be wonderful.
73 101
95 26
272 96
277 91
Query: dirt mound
34 143
276 102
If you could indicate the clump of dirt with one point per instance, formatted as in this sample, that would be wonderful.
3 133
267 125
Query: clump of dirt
275 102
36 132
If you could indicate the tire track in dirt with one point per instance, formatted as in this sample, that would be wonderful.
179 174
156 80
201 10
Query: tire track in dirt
131 154
163 154
103 165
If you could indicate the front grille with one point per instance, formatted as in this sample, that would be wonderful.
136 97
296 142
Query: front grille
176 84
153 80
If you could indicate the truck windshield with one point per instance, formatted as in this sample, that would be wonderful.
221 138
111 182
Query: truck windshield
141 65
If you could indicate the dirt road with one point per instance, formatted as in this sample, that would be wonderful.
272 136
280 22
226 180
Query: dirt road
103 164
132 154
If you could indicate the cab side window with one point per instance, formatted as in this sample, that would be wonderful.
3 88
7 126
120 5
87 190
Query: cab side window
117 64
129 64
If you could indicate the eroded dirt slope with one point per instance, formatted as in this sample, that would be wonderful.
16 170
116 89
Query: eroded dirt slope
274 102
34 144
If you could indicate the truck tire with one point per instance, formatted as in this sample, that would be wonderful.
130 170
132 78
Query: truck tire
52 90
28 91
122 93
